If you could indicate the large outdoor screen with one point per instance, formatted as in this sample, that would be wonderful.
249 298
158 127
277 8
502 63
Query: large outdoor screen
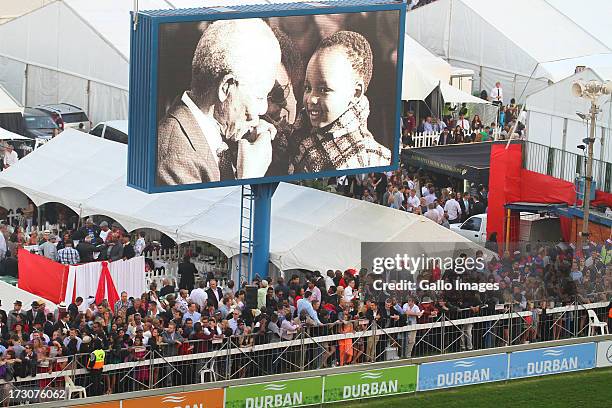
276 98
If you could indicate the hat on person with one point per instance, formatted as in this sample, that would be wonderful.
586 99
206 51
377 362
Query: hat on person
35 303
18 302
86 339
62 305
46 232
104 224
264 283
426 299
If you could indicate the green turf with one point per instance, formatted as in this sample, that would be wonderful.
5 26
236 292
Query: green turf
592 388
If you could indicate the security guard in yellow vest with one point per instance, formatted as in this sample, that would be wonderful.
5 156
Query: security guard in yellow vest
95 365
606 252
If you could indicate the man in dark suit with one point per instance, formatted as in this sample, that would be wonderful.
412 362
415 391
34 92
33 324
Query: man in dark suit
202 137
35 315
478 207
114 248
465 202
445 138
215 294
188 272
128 248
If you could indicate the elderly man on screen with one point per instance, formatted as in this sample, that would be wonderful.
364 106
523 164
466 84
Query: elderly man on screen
215 132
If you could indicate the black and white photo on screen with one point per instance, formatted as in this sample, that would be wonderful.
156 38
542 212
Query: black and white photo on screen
250 98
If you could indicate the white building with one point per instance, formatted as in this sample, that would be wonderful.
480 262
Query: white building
513 42
552 121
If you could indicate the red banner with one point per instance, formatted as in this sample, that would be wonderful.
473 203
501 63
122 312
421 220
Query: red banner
106 287
504 185
602 198
42 276
541 188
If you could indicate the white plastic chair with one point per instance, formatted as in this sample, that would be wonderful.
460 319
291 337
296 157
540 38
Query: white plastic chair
210 370
71 389
595 324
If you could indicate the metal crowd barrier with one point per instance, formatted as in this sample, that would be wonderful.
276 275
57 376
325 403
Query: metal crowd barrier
361 342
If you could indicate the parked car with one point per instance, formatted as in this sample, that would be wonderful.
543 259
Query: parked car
72 115
38 123
115 130
474 229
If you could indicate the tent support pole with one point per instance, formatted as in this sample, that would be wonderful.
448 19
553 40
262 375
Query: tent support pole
262 217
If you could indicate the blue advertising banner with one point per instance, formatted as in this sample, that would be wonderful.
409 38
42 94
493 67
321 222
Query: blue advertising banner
552 360
454 373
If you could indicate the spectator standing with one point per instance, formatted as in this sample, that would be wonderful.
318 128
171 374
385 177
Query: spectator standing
104 231
188 273
199 295
453 209
128 248
463 124
48 248
412 312
86 250
68 255
10 156
497 95
214 293
140 244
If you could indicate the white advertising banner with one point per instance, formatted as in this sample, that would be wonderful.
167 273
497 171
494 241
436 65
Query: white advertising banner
604 354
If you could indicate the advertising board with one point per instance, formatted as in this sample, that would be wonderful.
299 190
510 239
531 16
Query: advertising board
372 383
467 371
552 360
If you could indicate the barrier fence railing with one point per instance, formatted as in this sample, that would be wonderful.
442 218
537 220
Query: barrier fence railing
308 348
428 139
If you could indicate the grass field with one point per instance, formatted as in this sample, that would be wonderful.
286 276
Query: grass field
592 388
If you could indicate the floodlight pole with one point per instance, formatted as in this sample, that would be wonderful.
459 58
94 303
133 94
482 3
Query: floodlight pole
262 218
584 238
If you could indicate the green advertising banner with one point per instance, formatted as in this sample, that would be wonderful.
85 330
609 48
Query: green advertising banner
290 393
373 383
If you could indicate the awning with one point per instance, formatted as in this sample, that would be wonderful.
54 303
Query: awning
535 208
450 94
8 135
464 161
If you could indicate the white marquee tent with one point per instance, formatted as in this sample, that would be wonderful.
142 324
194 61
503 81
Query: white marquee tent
424 72
552 119
515 41
8 104
9 294
13 9
311 229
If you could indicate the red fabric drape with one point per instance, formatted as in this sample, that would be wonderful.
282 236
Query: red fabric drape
106 287
540 188
602 198
566 228
504 185
41 276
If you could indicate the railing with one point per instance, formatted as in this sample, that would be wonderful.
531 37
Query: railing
310 348
428 139
166 265
565 165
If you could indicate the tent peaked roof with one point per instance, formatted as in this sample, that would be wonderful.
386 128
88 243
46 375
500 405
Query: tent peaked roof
476 32
311 229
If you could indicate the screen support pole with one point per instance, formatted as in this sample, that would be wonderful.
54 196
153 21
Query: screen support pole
262 218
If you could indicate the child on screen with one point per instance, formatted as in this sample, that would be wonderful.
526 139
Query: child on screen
331 132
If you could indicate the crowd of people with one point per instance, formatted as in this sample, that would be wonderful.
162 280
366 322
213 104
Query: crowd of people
416 193
88 243
458 127
198 316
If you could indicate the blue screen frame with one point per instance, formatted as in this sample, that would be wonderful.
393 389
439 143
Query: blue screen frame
142 144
